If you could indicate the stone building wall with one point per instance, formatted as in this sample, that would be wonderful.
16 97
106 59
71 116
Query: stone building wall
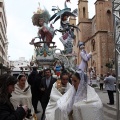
97 33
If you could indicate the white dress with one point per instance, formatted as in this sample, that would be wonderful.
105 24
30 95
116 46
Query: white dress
24 98
52 105
87 109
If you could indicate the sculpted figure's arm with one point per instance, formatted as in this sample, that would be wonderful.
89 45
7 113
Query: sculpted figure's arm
85 57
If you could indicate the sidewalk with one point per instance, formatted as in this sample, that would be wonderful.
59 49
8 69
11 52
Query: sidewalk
110 111
104 98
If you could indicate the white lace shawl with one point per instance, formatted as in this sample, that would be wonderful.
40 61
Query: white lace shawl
71 97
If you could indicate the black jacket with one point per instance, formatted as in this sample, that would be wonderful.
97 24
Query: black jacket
32 81
47 91
32 78
7 112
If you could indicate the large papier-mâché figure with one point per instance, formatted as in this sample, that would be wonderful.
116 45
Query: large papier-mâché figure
40 19
66 28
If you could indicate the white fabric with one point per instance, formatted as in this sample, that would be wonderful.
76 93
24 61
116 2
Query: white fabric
65 104
23 98
81 93
89 109
52 105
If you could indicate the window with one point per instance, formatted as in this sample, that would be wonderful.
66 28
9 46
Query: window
93 45
79 12
109 20
84 16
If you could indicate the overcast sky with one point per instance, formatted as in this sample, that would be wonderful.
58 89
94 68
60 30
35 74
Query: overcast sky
20 29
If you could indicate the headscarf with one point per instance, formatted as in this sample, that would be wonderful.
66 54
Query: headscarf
65 103
81 93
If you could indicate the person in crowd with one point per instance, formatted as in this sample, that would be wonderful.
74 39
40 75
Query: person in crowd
80 102
101 81
32 82
110 87
7 111
58 68
45 87
22 95
37 85
98 78
60 87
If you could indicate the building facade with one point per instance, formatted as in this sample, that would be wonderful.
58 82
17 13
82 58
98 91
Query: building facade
20 66
3 39
97 33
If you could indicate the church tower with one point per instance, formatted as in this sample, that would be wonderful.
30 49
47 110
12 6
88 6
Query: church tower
104 34
83 20
83 9
97 33
84 25
104 15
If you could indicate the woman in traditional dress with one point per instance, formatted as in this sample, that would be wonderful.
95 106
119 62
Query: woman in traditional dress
60 87
81 102
22 95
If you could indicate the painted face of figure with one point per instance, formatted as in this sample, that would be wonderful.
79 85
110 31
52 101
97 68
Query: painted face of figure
41 21
22 82
65 18
75 81
11 88
64 80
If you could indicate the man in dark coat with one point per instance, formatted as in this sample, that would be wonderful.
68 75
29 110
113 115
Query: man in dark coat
32 81
45 87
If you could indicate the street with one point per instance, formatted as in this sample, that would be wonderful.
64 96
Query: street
109 111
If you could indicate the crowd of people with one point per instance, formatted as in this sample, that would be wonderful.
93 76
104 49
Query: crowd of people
19 96
64 96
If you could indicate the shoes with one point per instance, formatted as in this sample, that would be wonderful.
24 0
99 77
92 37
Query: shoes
36 111
110 103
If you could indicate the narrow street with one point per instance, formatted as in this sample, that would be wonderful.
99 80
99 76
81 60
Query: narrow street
109 110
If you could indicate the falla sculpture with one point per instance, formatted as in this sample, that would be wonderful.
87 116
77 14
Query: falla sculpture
66 28
45 48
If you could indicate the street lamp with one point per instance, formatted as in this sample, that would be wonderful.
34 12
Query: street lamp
116 15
